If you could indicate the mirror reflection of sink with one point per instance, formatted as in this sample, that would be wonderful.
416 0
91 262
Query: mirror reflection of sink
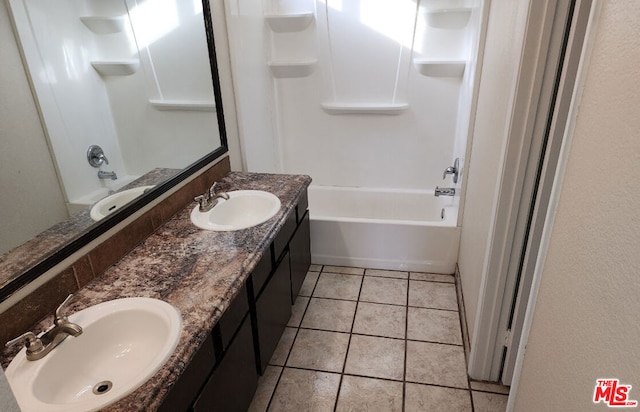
124 342
115 201
244 209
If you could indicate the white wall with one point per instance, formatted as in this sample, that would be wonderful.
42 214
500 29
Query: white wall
27 173
82 107
74 103
283 125
171 43
503 47
585 324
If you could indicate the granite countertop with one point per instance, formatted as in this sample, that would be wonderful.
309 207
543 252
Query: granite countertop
197 271
22 257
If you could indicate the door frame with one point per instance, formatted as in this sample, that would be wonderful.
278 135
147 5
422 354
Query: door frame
531 119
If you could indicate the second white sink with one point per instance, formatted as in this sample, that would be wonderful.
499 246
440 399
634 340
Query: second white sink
244 209
115 201
124 342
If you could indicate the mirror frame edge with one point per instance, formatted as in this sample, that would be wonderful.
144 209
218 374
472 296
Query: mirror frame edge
58 256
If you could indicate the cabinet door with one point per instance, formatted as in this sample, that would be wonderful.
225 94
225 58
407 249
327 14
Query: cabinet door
230 320
181 396
300 249
273 309
233 384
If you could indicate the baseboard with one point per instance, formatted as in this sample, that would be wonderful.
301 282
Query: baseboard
466 341
385 264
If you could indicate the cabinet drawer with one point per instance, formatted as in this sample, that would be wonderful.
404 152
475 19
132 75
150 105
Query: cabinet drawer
234 382
192 379
261 272
282 238
273 309
231 318
300 254
302 207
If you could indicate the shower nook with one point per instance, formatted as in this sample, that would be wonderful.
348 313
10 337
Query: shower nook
116 88
372 99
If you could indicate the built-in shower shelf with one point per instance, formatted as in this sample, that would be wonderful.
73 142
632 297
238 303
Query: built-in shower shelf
440 68
289 23
292 67
183 105
116 67
456 18
104 25
364 108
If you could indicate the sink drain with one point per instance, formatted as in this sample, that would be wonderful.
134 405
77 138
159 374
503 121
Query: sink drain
102 387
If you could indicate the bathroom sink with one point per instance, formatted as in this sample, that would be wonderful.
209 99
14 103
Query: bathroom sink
123 343
243 209
115 201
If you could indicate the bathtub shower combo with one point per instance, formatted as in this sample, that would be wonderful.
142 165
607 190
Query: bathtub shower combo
108 87
406 230
372 99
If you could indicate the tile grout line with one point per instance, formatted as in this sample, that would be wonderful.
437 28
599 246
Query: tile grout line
346 355
406 347
386 379
284 366
466 360
351 333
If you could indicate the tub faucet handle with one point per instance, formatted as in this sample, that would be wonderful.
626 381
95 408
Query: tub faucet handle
453 170
96 156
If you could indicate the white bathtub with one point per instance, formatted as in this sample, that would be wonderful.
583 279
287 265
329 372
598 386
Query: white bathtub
383 229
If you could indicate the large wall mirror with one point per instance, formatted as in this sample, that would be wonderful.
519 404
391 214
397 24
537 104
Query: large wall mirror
129 98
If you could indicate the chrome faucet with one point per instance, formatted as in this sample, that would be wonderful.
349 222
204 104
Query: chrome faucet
453 170
39 347
444 191
96 156
107 175
209 199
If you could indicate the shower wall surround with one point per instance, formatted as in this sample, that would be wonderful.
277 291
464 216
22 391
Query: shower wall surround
364 93
105 72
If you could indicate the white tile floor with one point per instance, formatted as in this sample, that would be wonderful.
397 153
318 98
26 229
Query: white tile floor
373 340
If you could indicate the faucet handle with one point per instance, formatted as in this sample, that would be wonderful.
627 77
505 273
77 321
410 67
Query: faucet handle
212 190
60 316
30 340
202 201
448 171
453 170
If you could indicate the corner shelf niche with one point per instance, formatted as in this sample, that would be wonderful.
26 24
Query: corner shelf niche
456 18
440 68
289 23
290 68
123 67
183 105
364 108
104 25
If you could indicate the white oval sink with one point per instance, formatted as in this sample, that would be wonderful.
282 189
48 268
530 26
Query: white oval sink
123 343
244 209
115 201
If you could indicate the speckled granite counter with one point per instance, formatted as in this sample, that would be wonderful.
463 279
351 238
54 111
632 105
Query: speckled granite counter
199 272
19 259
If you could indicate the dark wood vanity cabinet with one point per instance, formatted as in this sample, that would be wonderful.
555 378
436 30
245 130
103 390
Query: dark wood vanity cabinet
223 374
272 311
300 255
234 380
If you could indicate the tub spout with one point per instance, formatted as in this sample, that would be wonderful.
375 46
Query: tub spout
444 191
107 175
